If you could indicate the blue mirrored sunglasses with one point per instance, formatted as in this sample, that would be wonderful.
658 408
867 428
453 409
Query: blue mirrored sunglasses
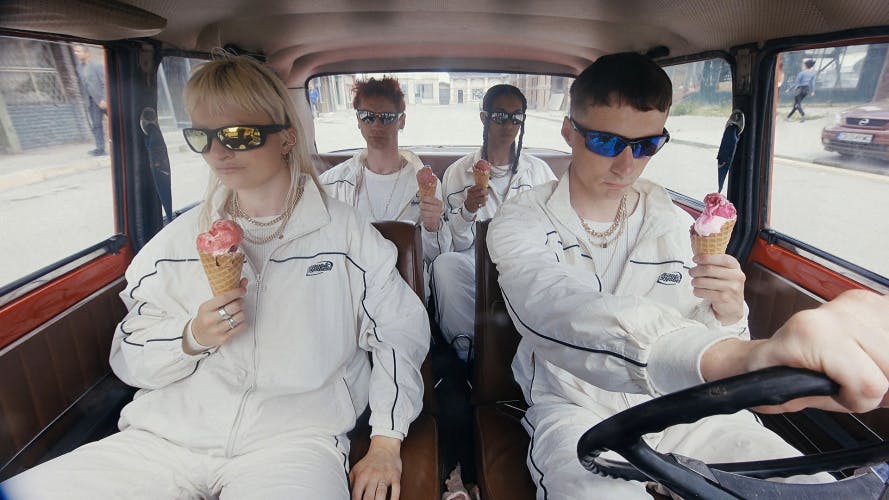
386 117
500 117
611 145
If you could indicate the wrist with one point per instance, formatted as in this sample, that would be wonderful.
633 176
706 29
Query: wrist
726 358
190 343
385 443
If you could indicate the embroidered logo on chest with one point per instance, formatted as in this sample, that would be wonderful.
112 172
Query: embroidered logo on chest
319 267
670 278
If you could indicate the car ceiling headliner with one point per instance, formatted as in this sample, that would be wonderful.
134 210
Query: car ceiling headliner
302 38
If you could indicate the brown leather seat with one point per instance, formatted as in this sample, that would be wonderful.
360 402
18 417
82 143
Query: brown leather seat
501 442
419 451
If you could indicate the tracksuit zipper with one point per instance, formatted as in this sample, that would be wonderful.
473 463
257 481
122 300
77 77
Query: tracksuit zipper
233 435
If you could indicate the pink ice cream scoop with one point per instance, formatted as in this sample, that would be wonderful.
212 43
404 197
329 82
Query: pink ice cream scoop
426 181
223 237
717 211
482 166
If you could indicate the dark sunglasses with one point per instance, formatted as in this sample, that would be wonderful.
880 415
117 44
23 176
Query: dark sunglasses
611 145
233 137
386 117
500 117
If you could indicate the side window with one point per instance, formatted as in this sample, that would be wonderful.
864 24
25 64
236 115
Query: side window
188 171
702 102
830 169
55 171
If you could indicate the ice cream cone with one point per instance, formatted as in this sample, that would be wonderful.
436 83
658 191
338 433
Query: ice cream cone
426 190
713 244
481 178
223 271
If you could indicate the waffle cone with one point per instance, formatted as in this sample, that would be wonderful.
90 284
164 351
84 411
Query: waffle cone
223 271
427 190
481 178
713 244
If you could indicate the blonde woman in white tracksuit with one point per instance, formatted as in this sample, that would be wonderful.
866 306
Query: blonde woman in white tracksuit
250 394
512 172
599 278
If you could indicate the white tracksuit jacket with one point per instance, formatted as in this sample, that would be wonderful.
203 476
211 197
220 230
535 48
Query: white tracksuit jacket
328 295
645 339
341 181
458 178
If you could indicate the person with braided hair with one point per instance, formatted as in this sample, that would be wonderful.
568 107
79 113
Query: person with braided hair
503 118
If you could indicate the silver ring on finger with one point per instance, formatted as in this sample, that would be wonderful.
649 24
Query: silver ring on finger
232 323
223 313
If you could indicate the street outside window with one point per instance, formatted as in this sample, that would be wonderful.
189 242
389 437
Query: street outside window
55 170
830 170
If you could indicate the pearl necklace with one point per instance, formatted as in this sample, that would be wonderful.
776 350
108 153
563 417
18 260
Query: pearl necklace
620 222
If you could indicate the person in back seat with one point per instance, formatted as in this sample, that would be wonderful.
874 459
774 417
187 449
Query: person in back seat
381 181
249 394
598 275
512 171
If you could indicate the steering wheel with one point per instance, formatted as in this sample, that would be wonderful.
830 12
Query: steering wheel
690 478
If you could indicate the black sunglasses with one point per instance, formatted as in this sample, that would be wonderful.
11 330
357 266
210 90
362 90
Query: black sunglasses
500 117
611 145
233 137
386 117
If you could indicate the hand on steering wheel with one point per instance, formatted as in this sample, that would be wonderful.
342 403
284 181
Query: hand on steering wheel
693 479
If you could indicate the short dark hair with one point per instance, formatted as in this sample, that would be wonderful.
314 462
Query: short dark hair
624 78
387 87
809 63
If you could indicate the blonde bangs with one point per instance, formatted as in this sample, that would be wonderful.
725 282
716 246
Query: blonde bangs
234 84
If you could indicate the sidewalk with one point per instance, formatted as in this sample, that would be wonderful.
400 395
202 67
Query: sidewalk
47 163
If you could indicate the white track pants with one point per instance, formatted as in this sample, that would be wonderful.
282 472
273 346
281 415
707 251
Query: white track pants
555 429
454 287
134 464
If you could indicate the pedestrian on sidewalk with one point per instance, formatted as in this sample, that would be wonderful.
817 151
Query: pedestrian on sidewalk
804 85
314 98
92 81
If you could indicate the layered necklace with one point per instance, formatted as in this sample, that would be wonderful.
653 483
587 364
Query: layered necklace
362 182
235 210
604 238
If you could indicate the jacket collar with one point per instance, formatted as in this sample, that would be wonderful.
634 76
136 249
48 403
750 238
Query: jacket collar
353 174
659 216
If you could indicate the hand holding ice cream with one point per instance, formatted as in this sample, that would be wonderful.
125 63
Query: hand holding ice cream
477 195
431 207
218 250
712 230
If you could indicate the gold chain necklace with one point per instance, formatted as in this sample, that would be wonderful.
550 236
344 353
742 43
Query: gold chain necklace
620 219
363 182
237 213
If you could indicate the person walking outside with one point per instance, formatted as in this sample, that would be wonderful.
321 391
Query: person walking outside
804 85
